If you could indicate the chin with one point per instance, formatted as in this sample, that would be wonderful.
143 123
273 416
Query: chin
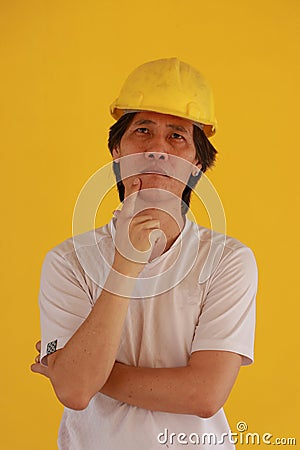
153 195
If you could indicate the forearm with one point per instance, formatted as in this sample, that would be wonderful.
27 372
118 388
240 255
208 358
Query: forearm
81 368
172 390
200 388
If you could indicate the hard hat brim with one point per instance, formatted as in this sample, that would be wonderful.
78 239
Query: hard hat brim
208 128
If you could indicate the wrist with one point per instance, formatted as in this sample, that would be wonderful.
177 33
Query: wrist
126 267
122 277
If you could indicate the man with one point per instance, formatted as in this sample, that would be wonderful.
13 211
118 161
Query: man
142 339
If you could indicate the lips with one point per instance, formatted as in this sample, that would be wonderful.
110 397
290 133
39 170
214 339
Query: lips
155 170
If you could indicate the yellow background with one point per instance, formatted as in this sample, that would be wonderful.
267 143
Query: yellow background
62 63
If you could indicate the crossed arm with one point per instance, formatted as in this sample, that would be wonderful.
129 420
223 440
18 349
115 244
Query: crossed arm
201 388
87 364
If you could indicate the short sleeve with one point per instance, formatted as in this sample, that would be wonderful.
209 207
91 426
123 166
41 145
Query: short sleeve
227 319
64 303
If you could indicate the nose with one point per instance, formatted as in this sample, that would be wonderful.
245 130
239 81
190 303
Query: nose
156 156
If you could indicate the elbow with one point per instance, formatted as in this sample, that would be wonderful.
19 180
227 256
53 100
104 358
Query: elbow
206 408
71 395
74 403
76 396
207 411
73 392
77 401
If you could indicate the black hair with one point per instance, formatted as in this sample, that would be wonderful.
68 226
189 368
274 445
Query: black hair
205 152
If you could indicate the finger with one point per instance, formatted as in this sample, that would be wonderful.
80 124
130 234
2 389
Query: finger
140 219
132 187
131 196
38 346
148 225
39 368
37 359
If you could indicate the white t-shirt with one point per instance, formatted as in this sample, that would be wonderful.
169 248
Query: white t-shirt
199 295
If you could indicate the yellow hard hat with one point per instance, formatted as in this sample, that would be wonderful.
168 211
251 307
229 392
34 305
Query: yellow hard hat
168 86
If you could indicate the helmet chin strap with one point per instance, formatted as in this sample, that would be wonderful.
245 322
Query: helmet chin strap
199 125
127 111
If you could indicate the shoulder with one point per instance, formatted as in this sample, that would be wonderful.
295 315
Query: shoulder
69 251
220 252
215 239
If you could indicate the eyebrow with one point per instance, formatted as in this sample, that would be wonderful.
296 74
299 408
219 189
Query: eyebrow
150 122
144 122
177 127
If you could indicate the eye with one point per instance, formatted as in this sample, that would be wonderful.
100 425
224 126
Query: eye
177 136
142 130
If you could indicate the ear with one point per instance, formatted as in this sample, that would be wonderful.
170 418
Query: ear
195 171
116 153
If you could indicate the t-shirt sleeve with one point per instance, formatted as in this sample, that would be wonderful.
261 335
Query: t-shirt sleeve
227 319
64 303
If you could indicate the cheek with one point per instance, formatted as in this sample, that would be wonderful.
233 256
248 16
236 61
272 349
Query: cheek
182 171
129 145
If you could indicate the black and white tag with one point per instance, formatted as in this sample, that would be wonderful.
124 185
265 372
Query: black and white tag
51 347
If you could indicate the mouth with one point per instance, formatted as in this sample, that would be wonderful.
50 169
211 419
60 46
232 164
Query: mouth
154 171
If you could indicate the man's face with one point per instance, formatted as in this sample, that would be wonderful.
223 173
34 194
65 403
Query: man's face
159 149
